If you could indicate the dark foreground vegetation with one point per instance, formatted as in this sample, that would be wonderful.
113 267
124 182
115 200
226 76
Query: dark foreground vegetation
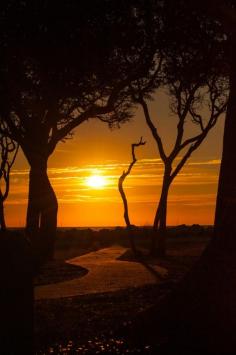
100 323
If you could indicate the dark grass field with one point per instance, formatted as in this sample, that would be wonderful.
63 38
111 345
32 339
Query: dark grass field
91 324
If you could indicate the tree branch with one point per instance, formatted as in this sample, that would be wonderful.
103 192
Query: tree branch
153 129
91 112
122 178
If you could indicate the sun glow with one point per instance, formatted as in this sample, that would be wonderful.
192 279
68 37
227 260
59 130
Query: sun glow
96 181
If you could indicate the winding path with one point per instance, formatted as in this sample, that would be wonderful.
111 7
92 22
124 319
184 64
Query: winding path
105 274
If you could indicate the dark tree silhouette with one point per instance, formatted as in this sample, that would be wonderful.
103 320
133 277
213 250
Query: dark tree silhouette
123 195
8 149
187 106
197 95
225 226
58 69
194 78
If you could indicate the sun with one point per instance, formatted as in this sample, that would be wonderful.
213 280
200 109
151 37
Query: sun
96 181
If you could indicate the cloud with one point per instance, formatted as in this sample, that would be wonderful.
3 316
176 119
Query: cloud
142 185
208 162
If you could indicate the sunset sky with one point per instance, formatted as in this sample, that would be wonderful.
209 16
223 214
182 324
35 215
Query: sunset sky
97 150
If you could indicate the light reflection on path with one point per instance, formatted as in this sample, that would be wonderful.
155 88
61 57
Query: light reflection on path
105 274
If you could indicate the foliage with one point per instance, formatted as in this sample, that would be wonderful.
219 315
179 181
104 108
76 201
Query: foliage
63 63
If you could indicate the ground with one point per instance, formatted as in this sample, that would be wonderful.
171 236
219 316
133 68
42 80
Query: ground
91 321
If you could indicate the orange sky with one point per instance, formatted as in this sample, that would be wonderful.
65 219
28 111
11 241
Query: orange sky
97 150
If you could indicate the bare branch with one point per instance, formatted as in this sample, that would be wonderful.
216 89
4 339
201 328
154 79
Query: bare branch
122 178
153 129
187 155
94 111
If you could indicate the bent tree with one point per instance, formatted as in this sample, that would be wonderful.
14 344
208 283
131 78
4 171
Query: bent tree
122 192
56 72
193 77
186 104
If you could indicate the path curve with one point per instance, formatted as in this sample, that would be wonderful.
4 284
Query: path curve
105 274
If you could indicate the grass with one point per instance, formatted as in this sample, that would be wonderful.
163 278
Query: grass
90 324
58 271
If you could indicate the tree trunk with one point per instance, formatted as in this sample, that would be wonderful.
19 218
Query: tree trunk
2 216
225 226
42 210
129 227
158 241
124 199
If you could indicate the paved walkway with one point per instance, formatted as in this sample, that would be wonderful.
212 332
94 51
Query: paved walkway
105 274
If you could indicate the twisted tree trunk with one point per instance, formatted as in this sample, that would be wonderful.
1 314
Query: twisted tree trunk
158 240
129 226
42 210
